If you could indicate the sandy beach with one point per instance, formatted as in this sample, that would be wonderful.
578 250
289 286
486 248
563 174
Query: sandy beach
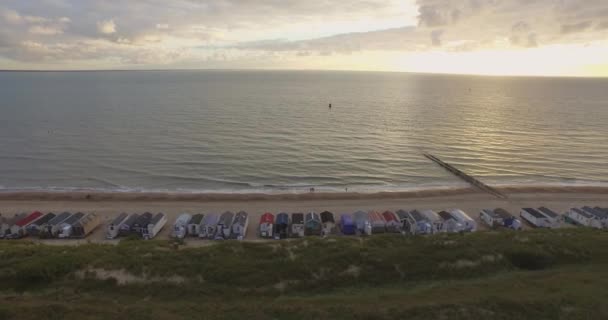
108 205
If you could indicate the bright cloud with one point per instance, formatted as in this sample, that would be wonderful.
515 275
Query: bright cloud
405 35
106 27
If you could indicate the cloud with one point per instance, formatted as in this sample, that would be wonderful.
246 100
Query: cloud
199 32
106 27
576 27
436 37
45 30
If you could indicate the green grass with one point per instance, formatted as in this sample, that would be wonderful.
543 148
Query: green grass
541 274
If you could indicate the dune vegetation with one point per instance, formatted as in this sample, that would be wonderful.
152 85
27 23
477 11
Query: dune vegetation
540 274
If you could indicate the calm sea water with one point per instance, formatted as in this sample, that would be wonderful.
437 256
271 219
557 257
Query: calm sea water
273 131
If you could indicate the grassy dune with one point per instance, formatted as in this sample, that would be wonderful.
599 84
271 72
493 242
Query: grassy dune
540 274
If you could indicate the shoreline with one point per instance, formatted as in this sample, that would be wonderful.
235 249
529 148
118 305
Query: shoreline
211 197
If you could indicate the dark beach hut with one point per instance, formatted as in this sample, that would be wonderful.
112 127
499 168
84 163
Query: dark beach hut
297 225
328 222
33 229
224 226
126 227
239 225
66 227
140 223
195 225
347 226
281 226
51 228
312 224
113 227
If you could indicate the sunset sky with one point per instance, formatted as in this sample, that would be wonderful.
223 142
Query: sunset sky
495 37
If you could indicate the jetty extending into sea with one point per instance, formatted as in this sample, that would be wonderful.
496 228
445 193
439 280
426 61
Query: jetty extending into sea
464 176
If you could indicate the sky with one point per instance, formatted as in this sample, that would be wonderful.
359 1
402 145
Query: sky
490 37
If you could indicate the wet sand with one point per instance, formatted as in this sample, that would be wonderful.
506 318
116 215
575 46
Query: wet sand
109 205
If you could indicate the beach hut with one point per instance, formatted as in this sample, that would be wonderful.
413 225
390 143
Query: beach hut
450 224
417 223
33 229
18 230
224 226
209 226
113 227
239 225
328 222
508 220
7 222
535 218
281 226
468 223
584 218
66 227
180 227
266 225
347 225
599 213
194 226
392 222
555 220
490 218
155 226
377 221
403 216
50 229
86 225
141 223
312 224
434 219
126 227
362 223
297 225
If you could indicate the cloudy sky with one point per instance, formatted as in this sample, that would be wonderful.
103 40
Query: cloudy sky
498 37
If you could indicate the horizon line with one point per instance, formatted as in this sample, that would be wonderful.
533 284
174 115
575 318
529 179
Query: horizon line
305 70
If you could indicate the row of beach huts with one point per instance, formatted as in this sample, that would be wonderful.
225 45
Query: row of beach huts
64 225
229 225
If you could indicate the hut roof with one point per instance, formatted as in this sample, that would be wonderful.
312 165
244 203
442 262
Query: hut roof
211 219
131 220
74 218
226 218
548 212
582 213
445 215
28 219
240 218
312 216
327 216
417 216
402 214
144 219
282 218
598 213
534 213
503 213
389 216
197 218
46 218
59 218
346 219
267 218
120 218
158 217
297 218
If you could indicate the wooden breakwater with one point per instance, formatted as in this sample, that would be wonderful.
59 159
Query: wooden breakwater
462 175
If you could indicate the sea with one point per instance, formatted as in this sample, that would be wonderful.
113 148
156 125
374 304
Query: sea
273 131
